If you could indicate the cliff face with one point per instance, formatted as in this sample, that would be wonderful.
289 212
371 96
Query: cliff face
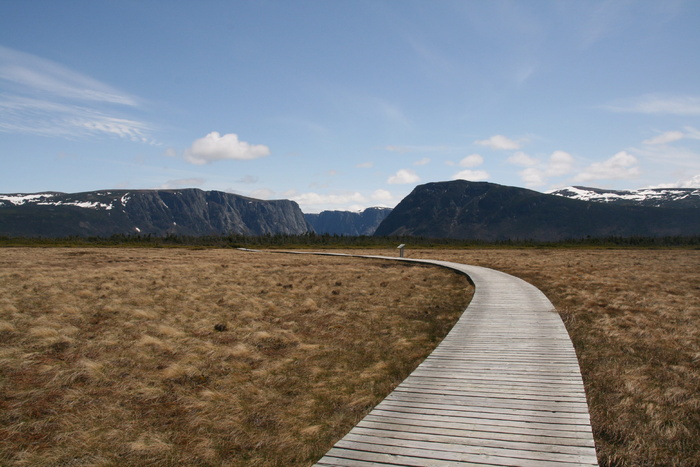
487 211
156 212
346 222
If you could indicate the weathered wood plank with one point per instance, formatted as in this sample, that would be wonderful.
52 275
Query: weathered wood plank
462 448
503 388
494 417
496 413
444 438
405 426
472 424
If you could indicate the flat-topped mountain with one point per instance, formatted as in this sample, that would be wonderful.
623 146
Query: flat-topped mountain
348 222
157 212
486 211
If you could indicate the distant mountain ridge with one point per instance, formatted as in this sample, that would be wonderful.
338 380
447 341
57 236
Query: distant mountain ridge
654 197
347 222
458 209
486 211
158 212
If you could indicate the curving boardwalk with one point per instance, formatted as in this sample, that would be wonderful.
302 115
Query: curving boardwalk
503 388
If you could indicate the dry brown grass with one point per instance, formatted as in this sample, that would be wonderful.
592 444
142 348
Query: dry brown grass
110 357
203 357
634 318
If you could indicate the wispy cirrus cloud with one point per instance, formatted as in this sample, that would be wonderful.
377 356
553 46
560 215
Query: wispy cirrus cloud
658 104
665 138
65 120
39 96
672 136
41 75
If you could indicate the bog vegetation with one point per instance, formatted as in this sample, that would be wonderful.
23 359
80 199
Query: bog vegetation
204 357
219 357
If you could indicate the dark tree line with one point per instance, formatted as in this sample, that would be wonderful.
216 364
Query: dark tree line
313 240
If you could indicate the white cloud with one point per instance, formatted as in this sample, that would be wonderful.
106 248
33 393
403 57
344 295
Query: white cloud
312 198
560 163
403 176
472 160
693 182
533 177
536 173
365 165
499 142
382 195
520 158
471 175
346 201
424 161
664 138
215 147
316 202
620 166
658 104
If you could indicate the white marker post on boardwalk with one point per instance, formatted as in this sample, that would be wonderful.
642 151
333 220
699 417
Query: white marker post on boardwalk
400 248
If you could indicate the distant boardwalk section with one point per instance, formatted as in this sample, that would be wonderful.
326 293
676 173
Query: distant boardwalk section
503 388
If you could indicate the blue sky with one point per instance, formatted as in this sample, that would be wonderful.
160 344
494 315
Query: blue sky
347 104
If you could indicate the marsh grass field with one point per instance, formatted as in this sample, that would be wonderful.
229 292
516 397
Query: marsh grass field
171 357
220 357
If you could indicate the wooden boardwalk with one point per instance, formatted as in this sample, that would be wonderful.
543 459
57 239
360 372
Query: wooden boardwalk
503 388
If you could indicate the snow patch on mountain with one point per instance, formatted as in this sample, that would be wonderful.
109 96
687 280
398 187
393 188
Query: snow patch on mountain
49 199
646 196
20 198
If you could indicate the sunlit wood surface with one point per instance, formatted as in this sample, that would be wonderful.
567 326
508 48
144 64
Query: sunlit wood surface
503 388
